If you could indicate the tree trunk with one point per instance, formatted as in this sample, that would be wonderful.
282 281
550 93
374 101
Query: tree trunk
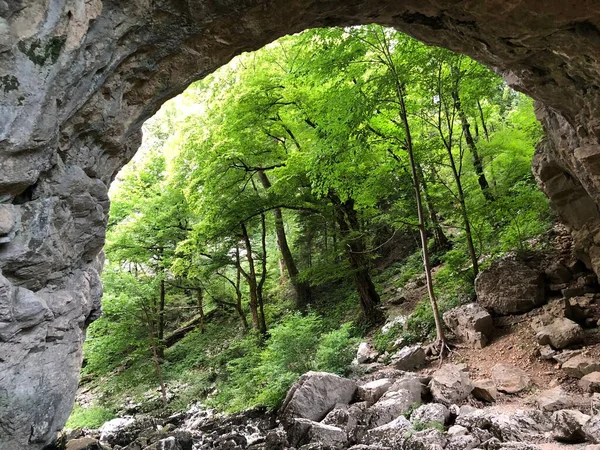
463 211
263 275
303 294
349 225
441 241
482 180
238 290
422 232
483 125
161 319
200 300
156 348
252 282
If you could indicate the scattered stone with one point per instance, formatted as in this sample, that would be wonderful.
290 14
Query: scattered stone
463 442
553 400
391 405
581 365
590 382
366 353
508 286
430 413
85 443
565 355
390 433
315 394
457 430
557 273
470 323
547 352
426 439
372 391
520 426
118 431
398 321
560 334
485 390
510 379
409 358
591 429
449 384
304 431
568 425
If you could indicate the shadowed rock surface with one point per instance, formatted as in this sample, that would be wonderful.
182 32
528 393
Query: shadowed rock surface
78 80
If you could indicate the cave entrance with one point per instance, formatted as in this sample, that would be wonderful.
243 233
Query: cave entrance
77 84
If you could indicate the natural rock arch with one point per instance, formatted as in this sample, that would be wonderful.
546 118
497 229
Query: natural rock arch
79 77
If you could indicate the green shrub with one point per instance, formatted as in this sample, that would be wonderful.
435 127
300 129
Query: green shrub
260 373
384 342
336 350
92 417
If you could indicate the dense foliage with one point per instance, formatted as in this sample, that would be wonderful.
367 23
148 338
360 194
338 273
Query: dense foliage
275 199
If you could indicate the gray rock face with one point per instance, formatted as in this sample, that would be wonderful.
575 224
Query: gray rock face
70 117
471 324
509 286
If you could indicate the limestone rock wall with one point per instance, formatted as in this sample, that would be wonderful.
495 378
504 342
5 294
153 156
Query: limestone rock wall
79 77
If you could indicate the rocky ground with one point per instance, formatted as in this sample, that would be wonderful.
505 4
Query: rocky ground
523 373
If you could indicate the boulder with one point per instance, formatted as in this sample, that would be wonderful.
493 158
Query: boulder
567 425
409 358
169 443
553 400
463 442
425 440
580 365
347 418
391 405
560 334
315 394
590 382
471 324
84 443
450 384
485 390
509 286
366 353
372 391
557 272
477 419
304 431
276 439
430 413
520 426
591 429
510 379
411 383
119 431
389 434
